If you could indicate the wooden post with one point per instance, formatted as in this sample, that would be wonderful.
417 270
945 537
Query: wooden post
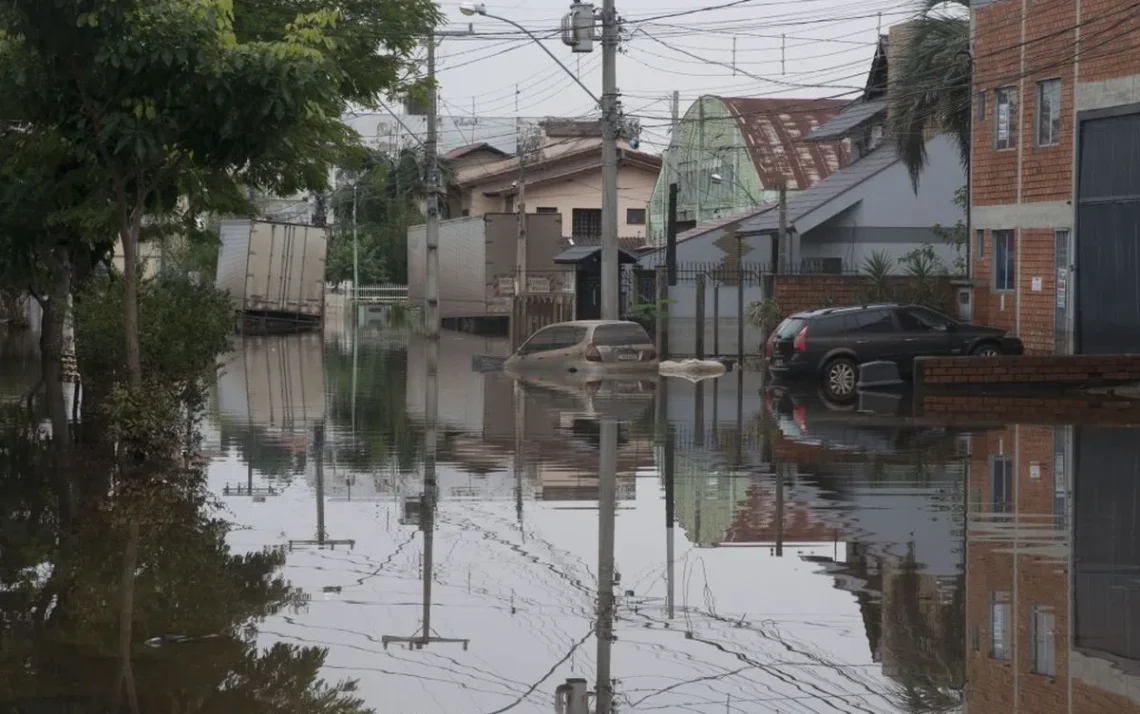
662 316
700 343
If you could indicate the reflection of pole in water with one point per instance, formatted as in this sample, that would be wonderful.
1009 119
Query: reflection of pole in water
739 414
518 465
428 502
607 482
779 511
319 462
699 414
670 467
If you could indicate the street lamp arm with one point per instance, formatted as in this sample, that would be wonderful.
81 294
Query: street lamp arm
470 9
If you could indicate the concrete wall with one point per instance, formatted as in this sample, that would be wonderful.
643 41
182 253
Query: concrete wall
585 191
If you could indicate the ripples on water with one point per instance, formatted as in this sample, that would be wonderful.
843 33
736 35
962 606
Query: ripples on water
824 560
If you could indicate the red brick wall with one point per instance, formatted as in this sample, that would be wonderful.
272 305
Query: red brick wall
795 293
1019 50
1074 370
983 409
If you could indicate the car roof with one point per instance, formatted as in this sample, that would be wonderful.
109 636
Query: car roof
825 311
591 323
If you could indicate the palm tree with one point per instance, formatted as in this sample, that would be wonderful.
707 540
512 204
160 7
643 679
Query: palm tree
931 82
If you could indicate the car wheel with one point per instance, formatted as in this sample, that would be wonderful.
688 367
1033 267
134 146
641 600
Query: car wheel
987 350
839 378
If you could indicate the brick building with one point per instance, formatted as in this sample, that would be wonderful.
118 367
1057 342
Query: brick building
1051 595
1055 197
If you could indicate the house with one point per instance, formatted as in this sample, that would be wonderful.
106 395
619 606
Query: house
563 176
1055 197
734 153
870 206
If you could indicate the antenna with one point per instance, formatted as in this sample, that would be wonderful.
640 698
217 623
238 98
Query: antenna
782 49
733 56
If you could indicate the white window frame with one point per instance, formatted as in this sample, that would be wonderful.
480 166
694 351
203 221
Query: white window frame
1001 642
1053 127
1005 133
1011 252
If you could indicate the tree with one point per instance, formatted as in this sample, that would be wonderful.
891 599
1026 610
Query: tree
930 84
153 92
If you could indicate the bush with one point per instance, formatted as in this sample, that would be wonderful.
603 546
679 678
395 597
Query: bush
183 328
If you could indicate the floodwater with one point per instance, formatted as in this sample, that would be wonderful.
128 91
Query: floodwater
772 552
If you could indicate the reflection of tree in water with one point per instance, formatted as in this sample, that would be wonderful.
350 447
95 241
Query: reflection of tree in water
61 589
271 456
925 634
383 432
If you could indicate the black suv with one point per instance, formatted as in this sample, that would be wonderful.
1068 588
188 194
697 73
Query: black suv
832 342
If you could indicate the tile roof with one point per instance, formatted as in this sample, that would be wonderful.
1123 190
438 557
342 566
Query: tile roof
804 202
853 116
774 132
461 151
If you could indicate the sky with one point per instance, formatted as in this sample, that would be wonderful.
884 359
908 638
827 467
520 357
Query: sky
827 47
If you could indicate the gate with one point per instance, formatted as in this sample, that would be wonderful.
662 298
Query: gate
1108 239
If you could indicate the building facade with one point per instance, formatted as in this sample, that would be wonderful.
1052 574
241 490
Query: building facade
734 153
1055 196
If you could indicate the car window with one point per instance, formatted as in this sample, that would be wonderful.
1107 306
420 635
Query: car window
829 325
789 328
541 341
931 318
567 336
620 335
870 321
910 323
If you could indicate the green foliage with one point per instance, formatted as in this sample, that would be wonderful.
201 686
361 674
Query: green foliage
764 314
931 82
648 312
925 271
184 327
956 236
878 268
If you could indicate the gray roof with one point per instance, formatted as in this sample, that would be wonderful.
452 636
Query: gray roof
852 117
801 203
580 253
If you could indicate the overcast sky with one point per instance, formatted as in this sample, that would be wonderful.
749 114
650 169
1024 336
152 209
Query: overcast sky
828 46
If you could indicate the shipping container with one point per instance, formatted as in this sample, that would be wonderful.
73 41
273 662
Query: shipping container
477 262
274 270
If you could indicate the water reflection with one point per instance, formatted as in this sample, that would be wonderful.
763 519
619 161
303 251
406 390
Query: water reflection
770 551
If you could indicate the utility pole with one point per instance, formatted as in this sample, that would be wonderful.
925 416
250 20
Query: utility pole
700 156
674 190
780 252
431 229
355 248
528 141
611 284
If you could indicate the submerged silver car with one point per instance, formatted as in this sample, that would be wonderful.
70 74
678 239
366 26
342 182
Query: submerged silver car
602 347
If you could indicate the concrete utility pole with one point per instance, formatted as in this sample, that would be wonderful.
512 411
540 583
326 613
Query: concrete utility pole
611 285
355 248
431 229
528 141
700 189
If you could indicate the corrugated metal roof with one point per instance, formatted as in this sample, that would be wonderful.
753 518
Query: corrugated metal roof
852 117
804 202
775 132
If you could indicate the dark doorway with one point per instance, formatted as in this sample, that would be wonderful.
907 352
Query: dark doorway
587 262
1108 232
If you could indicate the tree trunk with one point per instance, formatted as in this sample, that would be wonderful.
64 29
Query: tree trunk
55 310
126 675
131 301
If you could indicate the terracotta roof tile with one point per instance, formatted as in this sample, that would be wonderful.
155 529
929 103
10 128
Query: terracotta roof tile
775 133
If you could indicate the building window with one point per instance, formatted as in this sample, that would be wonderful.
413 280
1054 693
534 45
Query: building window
1049 112
980 107
1001 485
635 216
545 210
1043 658
1001 611
586 222
1005 260
980 242
1005 121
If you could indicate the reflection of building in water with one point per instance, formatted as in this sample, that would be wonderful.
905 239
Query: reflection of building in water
468 401
1035 555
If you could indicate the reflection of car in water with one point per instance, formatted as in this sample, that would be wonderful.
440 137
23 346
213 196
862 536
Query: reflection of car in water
808 416
591 347
584 398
